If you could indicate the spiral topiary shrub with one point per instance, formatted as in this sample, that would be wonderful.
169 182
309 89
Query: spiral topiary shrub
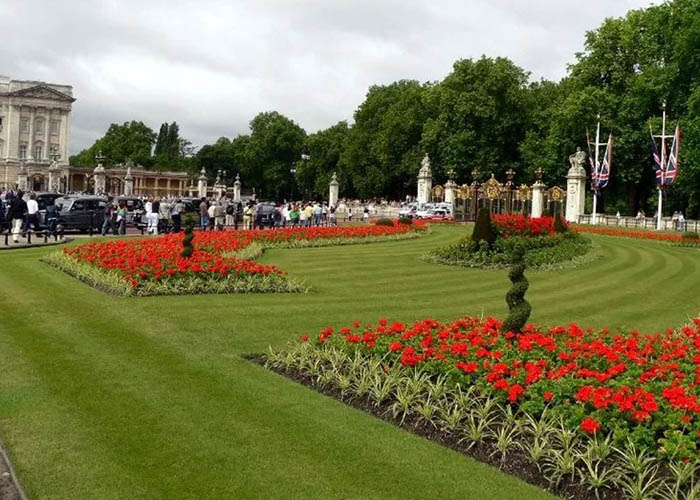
519 308
483 230
559 224
187 247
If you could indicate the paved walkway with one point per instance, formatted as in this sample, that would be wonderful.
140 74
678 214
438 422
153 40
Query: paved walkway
37 241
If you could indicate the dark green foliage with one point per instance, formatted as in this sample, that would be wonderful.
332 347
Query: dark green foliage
384 222
690 235
483 230
519 308
559 224
405 220
187 246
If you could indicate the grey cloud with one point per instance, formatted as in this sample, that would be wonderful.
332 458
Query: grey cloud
212 65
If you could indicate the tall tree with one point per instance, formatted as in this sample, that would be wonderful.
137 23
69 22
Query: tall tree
131 140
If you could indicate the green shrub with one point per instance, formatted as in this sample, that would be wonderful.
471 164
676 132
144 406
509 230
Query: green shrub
405 220
483 230
559 224
187 246
519 308
690 235
384 222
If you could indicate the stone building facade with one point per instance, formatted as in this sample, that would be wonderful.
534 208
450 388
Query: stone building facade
35 123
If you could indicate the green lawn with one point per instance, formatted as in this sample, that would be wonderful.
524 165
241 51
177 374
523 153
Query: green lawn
105 397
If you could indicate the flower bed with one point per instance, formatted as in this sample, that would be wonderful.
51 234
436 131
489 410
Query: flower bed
545 248
586 413
154 266
628 233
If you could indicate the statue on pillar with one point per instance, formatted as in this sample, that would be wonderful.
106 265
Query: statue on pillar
425 181
576 186
237 189
333 191
99 175
129 180
202 183
54 174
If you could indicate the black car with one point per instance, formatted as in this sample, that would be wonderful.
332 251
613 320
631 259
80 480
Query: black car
81 212
265 213
134 209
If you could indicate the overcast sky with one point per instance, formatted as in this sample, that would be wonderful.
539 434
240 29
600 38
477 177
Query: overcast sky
213 65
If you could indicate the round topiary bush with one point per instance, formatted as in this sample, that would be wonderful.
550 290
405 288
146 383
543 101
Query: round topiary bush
519 308
384 222
405 220
483 230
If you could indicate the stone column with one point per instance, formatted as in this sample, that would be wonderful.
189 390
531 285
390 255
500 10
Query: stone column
30 142
47 138
537 199
333 191
128 181
425 181
22 177
54 175
575 193
237 189
202 183
450 191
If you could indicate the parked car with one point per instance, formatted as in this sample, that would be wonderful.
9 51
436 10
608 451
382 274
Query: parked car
437 214
265 213
81 212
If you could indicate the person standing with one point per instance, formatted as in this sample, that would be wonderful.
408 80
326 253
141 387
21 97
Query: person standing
230 209
331 216
211 213
176 214
51 216
153 216
318 212
349 213
294 216
108 222
16 213
365 215
32 218
247 214
203 214
121 217
238 215
220 214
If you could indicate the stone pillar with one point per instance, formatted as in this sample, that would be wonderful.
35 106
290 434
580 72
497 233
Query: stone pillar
237 189
47 139
425 181
575 193
333 191
22 177
128 181
202 183
450 192
54 175
30 142
537 199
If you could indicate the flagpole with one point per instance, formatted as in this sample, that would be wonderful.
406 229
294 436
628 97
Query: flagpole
595 179
663 167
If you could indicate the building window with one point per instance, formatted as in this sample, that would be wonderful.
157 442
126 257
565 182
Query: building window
39 126
54 126
22 151
24 125
38 149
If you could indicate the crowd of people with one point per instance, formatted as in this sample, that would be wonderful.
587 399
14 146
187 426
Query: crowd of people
20 215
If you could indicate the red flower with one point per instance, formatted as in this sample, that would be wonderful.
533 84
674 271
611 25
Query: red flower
548 396
304 338
467 367
590 425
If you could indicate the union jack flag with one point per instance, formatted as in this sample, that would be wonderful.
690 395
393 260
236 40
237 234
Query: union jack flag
672 164
604 173
657 161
